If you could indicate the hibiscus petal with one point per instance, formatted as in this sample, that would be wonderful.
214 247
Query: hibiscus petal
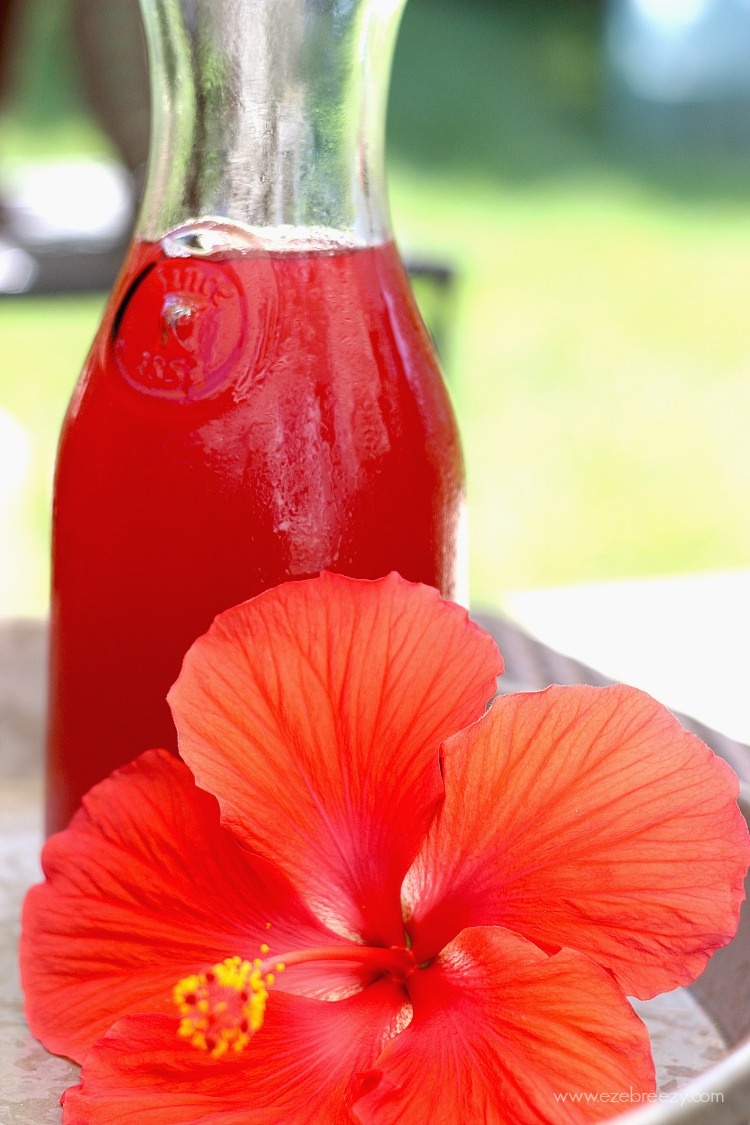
320 706
297 1069
501 1033
588 818
142 889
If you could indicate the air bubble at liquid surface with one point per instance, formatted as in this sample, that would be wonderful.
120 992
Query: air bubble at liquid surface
216 237
207 238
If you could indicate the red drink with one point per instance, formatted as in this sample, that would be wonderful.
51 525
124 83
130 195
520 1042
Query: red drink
241 420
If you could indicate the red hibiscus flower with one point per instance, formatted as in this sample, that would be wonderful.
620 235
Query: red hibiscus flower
360 915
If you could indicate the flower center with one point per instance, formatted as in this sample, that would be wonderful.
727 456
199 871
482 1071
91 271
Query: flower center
222 1007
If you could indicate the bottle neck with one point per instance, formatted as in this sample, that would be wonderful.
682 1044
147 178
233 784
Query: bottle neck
269 114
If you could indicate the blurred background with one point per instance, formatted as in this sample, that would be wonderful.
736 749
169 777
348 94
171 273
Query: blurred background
581 169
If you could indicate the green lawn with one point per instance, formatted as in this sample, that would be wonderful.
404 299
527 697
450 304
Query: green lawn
602 379
599 354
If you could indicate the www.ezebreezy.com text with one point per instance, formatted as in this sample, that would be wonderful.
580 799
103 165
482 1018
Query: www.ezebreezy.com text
637 1097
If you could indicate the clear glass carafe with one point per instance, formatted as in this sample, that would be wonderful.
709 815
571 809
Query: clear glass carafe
261 401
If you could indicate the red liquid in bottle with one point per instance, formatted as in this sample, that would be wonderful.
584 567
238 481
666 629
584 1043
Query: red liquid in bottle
241 421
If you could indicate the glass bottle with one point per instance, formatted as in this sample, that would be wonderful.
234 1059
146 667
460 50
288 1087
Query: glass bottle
261 401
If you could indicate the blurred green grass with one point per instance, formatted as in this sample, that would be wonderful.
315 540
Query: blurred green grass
598 357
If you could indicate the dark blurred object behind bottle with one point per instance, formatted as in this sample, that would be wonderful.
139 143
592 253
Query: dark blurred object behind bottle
65 222
111 47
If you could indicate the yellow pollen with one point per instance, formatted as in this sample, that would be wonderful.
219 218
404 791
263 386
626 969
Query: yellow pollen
223 1007
264 948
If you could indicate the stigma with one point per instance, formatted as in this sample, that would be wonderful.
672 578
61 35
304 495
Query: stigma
224 1006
